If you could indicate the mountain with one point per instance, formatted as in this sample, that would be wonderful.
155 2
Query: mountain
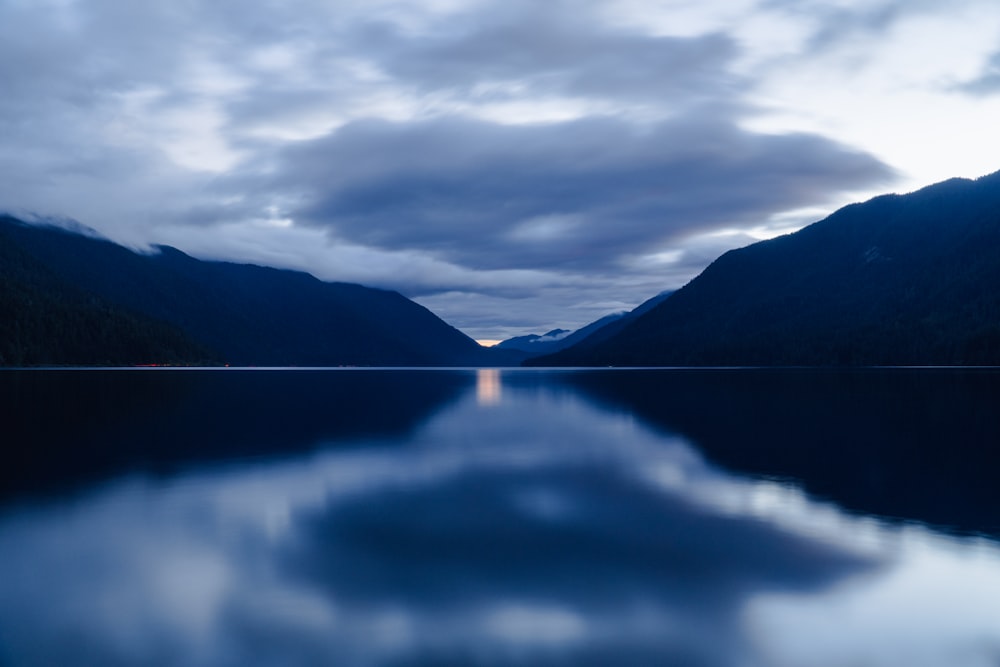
560 339
609 326
534 343
233 313
899 280
46 320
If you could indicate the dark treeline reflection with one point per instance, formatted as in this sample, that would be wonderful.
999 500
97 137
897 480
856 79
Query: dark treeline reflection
64 428
920 444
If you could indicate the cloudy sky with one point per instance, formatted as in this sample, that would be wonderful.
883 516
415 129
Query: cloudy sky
513 165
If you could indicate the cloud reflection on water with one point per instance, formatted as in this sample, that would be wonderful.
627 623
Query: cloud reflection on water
533 530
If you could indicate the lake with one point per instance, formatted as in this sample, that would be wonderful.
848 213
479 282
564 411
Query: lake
785 518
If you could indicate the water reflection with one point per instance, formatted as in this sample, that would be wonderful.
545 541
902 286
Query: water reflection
916 444
488 387
531 529
65 429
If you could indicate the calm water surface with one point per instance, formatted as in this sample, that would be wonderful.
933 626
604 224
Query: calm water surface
693 518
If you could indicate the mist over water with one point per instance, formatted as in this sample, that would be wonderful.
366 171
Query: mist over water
746 518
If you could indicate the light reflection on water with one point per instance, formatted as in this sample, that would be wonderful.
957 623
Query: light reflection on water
516 526
488 386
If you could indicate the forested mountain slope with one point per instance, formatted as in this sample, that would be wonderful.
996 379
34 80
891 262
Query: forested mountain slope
899 280
240 314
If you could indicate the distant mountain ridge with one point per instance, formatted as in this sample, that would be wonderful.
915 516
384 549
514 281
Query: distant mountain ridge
898 280
535 342
229 313
560 339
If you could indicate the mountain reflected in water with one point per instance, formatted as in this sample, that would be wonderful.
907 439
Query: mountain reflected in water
489 518
916 444
70 428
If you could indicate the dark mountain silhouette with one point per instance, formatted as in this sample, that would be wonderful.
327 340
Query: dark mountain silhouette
899 280
232 313
607 327
561 339
47 320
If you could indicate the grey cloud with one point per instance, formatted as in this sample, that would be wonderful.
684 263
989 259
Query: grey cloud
833 24
580 195
556 48
987 82
496 52
842 24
